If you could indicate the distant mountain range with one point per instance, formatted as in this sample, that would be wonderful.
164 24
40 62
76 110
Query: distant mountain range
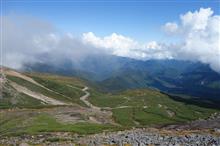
114 74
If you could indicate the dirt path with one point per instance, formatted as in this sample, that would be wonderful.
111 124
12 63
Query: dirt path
85 97
43 97
38 96
46 99
29 79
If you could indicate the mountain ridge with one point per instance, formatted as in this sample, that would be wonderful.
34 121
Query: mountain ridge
172 76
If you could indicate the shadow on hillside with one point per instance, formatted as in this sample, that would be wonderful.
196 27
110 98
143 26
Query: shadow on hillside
202 102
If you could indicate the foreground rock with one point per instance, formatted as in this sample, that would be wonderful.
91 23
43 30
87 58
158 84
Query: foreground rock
136 137
144 137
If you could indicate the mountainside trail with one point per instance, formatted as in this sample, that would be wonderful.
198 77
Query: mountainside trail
43 98
85 97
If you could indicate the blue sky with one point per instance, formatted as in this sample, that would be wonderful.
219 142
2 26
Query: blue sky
140 20
144 29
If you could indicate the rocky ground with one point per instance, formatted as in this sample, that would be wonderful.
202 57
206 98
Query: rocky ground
143 137
135 137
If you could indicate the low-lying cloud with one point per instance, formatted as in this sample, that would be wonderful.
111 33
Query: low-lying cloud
200 35
120 45
25 39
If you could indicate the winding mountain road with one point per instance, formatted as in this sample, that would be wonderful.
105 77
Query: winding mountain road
85 97
46 99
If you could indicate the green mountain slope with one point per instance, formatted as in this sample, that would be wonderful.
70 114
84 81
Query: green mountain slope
64 89
10 98
144 107
73 105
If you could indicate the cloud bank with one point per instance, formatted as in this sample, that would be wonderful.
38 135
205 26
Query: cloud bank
25 39
120 45
199 34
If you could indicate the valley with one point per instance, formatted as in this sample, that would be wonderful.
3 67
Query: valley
109 73
115 74
34 104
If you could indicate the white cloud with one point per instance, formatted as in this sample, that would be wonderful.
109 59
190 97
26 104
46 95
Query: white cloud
19 33
152 45
200 35
197 20
25 39
114 41
170 27
124 46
